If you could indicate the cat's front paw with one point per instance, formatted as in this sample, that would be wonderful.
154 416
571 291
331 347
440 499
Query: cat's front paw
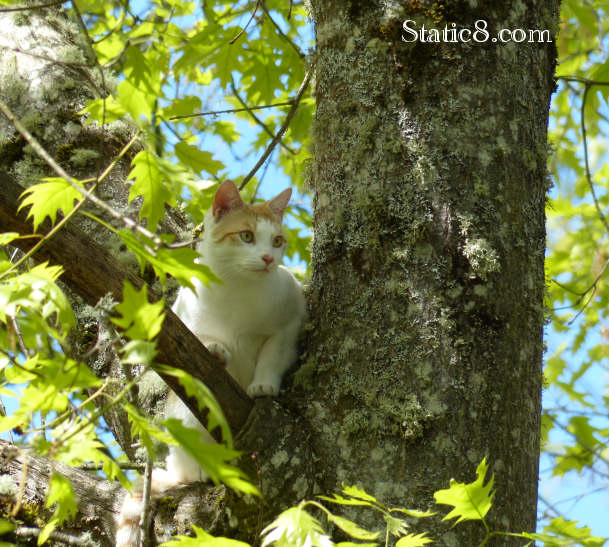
260 390
219 351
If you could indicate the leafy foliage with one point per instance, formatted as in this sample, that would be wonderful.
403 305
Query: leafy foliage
139 319
49 197
576 429
61 495
172 60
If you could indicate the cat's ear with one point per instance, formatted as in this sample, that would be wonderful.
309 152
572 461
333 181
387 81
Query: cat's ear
227 199
280 202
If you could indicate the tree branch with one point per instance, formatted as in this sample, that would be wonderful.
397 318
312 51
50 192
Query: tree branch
98 500
93 272
256 118
282 130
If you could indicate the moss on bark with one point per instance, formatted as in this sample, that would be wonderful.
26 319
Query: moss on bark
426 308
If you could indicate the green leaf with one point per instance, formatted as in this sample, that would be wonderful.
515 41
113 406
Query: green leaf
198 390
212 457
145 430
178 263
138 352
358 493
7 237
414 512
197 160
106 110
140 320
138 104
470 501
49 197
6 526
295 527
143 71
37 292
395 526
61 494
562 533
413 540
202 538
351 528
340 500
154 180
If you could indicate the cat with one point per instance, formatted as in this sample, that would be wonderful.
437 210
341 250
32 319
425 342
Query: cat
250 321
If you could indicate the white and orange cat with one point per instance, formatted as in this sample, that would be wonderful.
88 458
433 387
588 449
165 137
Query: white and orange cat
250 321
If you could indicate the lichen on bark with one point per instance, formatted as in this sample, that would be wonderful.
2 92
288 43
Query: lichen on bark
430 184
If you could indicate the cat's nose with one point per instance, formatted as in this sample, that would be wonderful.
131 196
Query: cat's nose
267 259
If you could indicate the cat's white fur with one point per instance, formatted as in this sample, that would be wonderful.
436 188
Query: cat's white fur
250 322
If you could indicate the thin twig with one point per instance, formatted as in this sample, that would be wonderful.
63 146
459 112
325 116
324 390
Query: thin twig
586 161
282 130
21 493
255 118
94 59
232 110
30 531
581 80
588 84
144 521
299 52
46 58
43 154
582 443
17 330
16 364
128 466
183 244
247 24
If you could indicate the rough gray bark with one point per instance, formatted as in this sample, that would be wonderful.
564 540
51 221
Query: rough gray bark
430 176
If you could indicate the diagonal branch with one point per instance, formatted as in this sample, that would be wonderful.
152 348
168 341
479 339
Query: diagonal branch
256 118
282 130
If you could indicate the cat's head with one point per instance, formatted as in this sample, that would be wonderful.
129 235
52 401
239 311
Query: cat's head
243 240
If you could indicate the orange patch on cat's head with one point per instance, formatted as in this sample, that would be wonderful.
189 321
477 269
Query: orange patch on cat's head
232 215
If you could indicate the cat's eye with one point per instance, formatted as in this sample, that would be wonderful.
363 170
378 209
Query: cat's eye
247 236
278 241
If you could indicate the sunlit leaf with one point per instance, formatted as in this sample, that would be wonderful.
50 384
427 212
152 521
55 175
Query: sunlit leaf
413 540
48 198
140 319
470 501
60 494
201 539
295 527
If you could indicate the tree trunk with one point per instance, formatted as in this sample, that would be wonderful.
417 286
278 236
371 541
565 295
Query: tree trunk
428 274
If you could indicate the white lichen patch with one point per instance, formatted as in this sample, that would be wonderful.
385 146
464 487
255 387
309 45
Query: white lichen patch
482 258
300 487
8 486
279 458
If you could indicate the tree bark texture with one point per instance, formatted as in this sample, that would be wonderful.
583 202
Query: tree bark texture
425 346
